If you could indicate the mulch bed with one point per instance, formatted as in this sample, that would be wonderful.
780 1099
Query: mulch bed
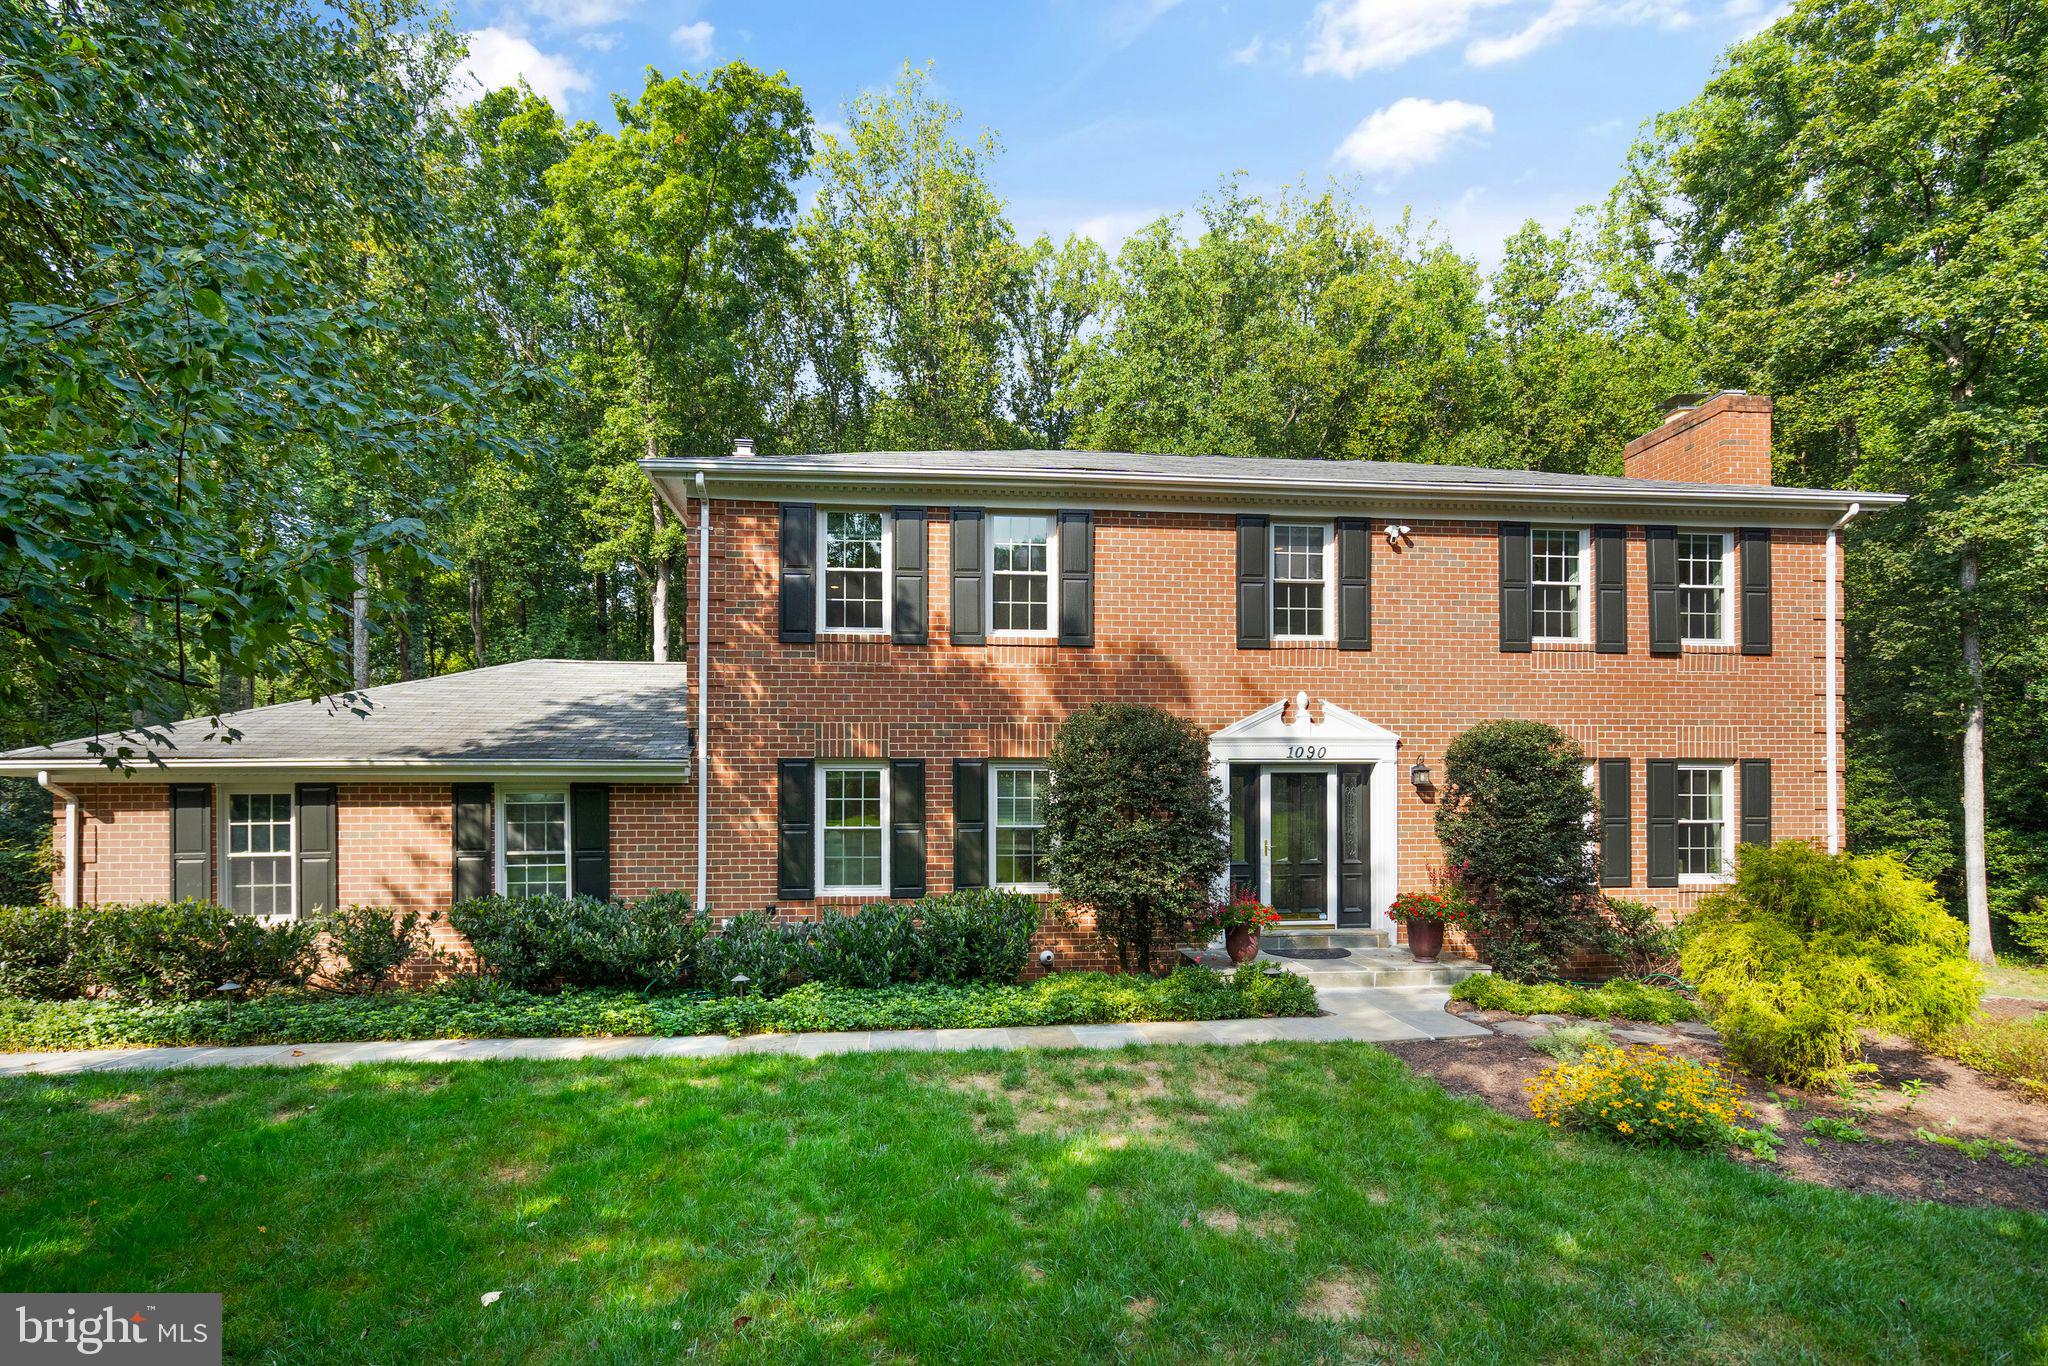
1895 1161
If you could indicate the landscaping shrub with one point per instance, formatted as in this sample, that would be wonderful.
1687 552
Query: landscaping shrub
1620 999
872 947
1806 948
1569 1043
185 950
1137 824
1637 939
469 1008
541 943
1514 822
977 934
1641 1095
39 953
771 956
373 942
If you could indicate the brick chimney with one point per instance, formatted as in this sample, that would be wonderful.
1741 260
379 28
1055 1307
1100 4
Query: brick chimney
1722 438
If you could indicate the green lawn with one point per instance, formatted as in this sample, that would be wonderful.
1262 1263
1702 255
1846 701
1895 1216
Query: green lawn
2012 978
1274 1203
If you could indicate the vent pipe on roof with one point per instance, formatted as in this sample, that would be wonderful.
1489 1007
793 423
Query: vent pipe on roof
743 445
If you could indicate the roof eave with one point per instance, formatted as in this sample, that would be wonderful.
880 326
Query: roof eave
83 768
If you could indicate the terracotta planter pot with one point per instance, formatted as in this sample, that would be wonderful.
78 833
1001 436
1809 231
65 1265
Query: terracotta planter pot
1241 943
1425 939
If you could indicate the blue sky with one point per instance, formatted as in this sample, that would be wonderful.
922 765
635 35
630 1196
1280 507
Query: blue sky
1479 113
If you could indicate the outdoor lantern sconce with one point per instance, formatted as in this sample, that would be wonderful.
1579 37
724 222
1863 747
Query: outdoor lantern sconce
1419 775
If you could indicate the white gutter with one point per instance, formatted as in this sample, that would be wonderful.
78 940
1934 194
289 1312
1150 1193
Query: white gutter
72 881
87 769
703 692
1833 686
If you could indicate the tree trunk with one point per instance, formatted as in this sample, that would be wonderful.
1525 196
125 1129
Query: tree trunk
1975 882
359 623
658 609
600 593
476 615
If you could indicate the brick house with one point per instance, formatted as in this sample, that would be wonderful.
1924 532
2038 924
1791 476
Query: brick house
889 641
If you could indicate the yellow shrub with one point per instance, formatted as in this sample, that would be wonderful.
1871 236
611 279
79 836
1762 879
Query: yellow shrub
1640 1095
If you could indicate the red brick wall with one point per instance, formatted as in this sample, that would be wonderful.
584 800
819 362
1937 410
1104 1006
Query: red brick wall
1726 440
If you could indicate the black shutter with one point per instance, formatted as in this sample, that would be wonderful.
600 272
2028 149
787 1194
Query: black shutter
906 827
590 840
313 807
472 823
908 623
1354 583
1662 810
1244 829
192 842
1617 850
1254 581
968 609
1514 587
1756 589
1610 590
793 816
1661 543
1077 579
1354 844
799 573
970 822
1756 801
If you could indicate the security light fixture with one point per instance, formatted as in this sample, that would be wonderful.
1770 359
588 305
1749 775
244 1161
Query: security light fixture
1398 533
1420 776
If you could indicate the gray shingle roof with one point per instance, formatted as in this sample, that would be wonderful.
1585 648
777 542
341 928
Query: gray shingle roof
541 711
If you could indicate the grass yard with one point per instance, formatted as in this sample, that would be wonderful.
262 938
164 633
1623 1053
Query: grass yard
1270 1203
2014 978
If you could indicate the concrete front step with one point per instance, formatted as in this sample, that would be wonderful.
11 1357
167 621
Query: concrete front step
1375 966
1328 938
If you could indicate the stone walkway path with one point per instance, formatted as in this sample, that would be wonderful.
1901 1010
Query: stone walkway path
1368 1014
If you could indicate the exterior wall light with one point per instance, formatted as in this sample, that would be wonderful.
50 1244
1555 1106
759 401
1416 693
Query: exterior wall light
1420 776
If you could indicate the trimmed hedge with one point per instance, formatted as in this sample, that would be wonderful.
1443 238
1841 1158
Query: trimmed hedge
467 1009
1617 1000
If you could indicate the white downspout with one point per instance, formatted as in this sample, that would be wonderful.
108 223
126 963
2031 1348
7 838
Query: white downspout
1832 687
703 692
72 882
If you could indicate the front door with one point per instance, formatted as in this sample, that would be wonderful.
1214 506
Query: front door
1299 846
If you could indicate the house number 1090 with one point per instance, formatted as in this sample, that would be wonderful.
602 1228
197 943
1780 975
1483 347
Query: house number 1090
1307 751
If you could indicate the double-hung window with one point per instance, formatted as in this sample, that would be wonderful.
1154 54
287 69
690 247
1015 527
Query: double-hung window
1557 583
1301 580
533 832
1020 574
259 853
1703 587
852 832
854 556
1706 849
1019 807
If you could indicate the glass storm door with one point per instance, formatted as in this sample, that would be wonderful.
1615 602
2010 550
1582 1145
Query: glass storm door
1298 850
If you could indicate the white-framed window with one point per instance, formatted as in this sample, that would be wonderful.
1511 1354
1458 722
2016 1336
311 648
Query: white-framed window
1302 562
257 867
1703 576
1017 802
1559 568
1706 835
533 841
853 830
1020 564
853 552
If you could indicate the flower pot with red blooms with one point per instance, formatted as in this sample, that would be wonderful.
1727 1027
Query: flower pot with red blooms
1242 919
1427 913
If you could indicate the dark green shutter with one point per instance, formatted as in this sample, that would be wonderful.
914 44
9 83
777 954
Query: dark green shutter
970 823
799 614
1077 579
1661 545
192 842
1755 564
313 807
908 622
1354 844
794 798
969 607
1514 587
1254 581
1610 590
1661 807
1354 583
590 840
1756 801
1245 833
906 827
472 822
1617 849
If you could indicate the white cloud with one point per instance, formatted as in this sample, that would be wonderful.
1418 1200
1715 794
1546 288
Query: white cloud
1126 22
1365 35
598 42
1410 133
1111 228
498 58
1249 53
694 40
579 13
1565 15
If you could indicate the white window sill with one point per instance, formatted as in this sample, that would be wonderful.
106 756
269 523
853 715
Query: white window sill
823 892
1028 888
1705 880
